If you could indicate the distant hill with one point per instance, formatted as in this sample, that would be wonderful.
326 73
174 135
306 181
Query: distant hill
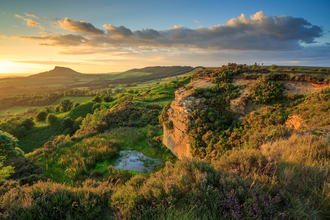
58 71
163 69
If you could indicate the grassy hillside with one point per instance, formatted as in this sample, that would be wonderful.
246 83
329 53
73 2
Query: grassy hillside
61 79
272 165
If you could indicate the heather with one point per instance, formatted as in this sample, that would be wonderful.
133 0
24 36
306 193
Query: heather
272 164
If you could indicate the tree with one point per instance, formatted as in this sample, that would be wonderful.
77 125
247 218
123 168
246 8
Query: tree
76 104
97 99
41 116
66 125
48 109
107 99
57 108
51 119
273 67
9 146
300 69
255 66
65 105
21 132
28 123
5 171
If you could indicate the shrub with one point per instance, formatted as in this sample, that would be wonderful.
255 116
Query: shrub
218 96
273 67
266 91
97 99
5 171
28 123
48 109
41 116
9 146
65 105
47 200
21 132
96 106
169 125
51 119
66 124
192 183
57 108
107 98
76 104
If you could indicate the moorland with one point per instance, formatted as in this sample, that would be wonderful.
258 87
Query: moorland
61 131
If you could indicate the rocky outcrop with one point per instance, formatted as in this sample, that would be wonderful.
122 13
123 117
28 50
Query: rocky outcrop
177 139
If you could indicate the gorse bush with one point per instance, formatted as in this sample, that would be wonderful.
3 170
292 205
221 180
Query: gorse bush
265 90
218 96
209 131
131 115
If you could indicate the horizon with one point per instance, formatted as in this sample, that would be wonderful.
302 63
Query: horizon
113 36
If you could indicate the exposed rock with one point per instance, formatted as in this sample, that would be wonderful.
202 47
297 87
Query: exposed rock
177 139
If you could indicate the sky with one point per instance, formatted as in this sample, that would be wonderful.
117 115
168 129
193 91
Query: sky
103 36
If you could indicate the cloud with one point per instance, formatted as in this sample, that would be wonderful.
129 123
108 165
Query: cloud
31 15
3 36
30 22
65 40
15 26
117 32
328 44
4 13
79 27
48 62
257 33
197 22
109 60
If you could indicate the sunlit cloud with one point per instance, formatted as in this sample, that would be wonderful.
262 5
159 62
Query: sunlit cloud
30 22
197 22
242 39
49 62
31 15
64 40
259 32
15 26
79 27
3 36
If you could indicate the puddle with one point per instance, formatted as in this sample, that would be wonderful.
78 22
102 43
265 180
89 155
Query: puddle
135 161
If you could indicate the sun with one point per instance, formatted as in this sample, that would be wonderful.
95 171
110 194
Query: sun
13 67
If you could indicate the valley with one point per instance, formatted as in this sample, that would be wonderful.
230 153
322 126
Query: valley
237 140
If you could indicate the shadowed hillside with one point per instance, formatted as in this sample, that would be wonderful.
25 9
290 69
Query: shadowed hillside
57 72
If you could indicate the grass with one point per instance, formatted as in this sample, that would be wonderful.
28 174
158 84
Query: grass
78 160
17 110
263 168
74 99
43 132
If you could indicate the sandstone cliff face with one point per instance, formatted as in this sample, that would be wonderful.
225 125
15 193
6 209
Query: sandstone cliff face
177 139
